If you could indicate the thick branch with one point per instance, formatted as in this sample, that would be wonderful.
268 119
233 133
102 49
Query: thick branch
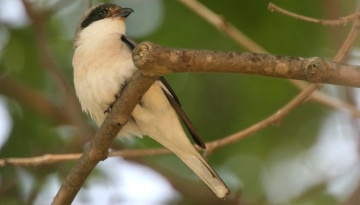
154 59
98 149
224 26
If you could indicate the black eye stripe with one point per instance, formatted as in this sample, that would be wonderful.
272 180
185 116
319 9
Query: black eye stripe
96 14
101 13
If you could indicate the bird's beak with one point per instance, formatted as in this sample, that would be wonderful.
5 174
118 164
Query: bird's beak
124 12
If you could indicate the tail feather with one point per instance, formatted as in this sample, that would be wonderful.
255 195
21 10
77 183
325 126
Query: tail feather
157 119
196 163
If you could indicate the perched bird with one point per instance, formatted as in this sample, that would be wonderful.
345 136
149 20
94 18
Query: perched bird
103 65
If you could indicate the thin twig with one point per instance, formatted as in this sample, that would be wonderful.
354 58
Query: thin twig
337 104
50 158
221 23
98 150
337 22
211 146
39 160
292 104
47 159
276 117
349 41
328 100
355 196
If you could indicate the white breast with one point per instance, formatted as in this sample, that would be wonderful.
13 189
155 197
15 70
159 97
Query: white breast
102 63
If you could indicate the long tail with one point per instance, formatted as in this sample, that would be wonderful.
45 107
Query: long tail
157 119
201 168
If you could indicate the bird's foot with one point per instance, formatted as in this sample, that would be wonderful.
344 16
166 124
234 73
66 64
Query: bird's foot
108 110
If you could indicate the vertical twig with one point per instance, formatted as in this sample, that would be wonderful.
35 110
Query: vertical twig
71 104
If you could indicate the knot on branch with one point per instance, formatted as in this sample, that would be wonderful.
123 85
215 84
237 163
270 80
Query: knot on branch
147 57
313 69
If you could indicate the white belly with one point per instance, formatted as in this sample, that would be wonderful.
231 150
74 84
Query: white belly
99 76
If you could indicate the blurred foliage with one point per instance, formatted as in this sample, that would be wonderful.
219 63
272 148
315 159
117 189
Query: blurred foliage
218 104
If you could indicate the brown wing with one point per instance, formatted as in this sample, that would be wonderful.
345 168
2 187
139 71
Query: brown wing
174 101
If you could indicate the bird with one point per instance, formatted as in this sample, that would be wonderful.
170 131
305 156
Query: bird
103 66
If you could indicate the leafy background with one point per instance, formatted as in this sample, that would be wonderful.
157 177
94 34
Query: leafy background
310 157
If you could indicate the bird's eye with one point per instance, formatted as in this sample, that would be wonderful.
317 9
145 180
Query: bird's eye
101 13
95 15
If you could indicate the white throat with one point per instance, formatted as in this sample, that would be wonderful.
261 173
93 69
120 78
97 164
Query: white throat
105 29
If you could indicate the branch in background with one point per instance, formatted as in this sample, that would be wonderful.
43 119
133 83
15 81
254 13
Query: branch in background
31 98
351 96
45 57
71 105
37 101
337 22
277 116
342 20
224 26
349 41
212 146
337 104
55 158
221 24
98 148
154 59
329 100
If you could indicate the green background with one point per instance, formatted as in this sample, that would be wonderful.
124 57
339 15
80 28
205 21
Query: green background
276 165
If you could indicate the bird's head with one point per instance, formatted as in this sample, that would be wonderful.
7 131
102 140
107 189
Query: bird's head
105 18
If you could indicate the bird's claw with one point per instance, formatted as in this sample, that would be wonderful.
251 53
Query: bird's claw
108 110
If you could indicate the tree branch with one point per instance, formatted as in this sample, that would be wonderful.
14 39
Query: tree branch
211 146
70 105
220 23
54 158
239 37
337 22
98 148
41 39
276 117
31 98
154 59
349 41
